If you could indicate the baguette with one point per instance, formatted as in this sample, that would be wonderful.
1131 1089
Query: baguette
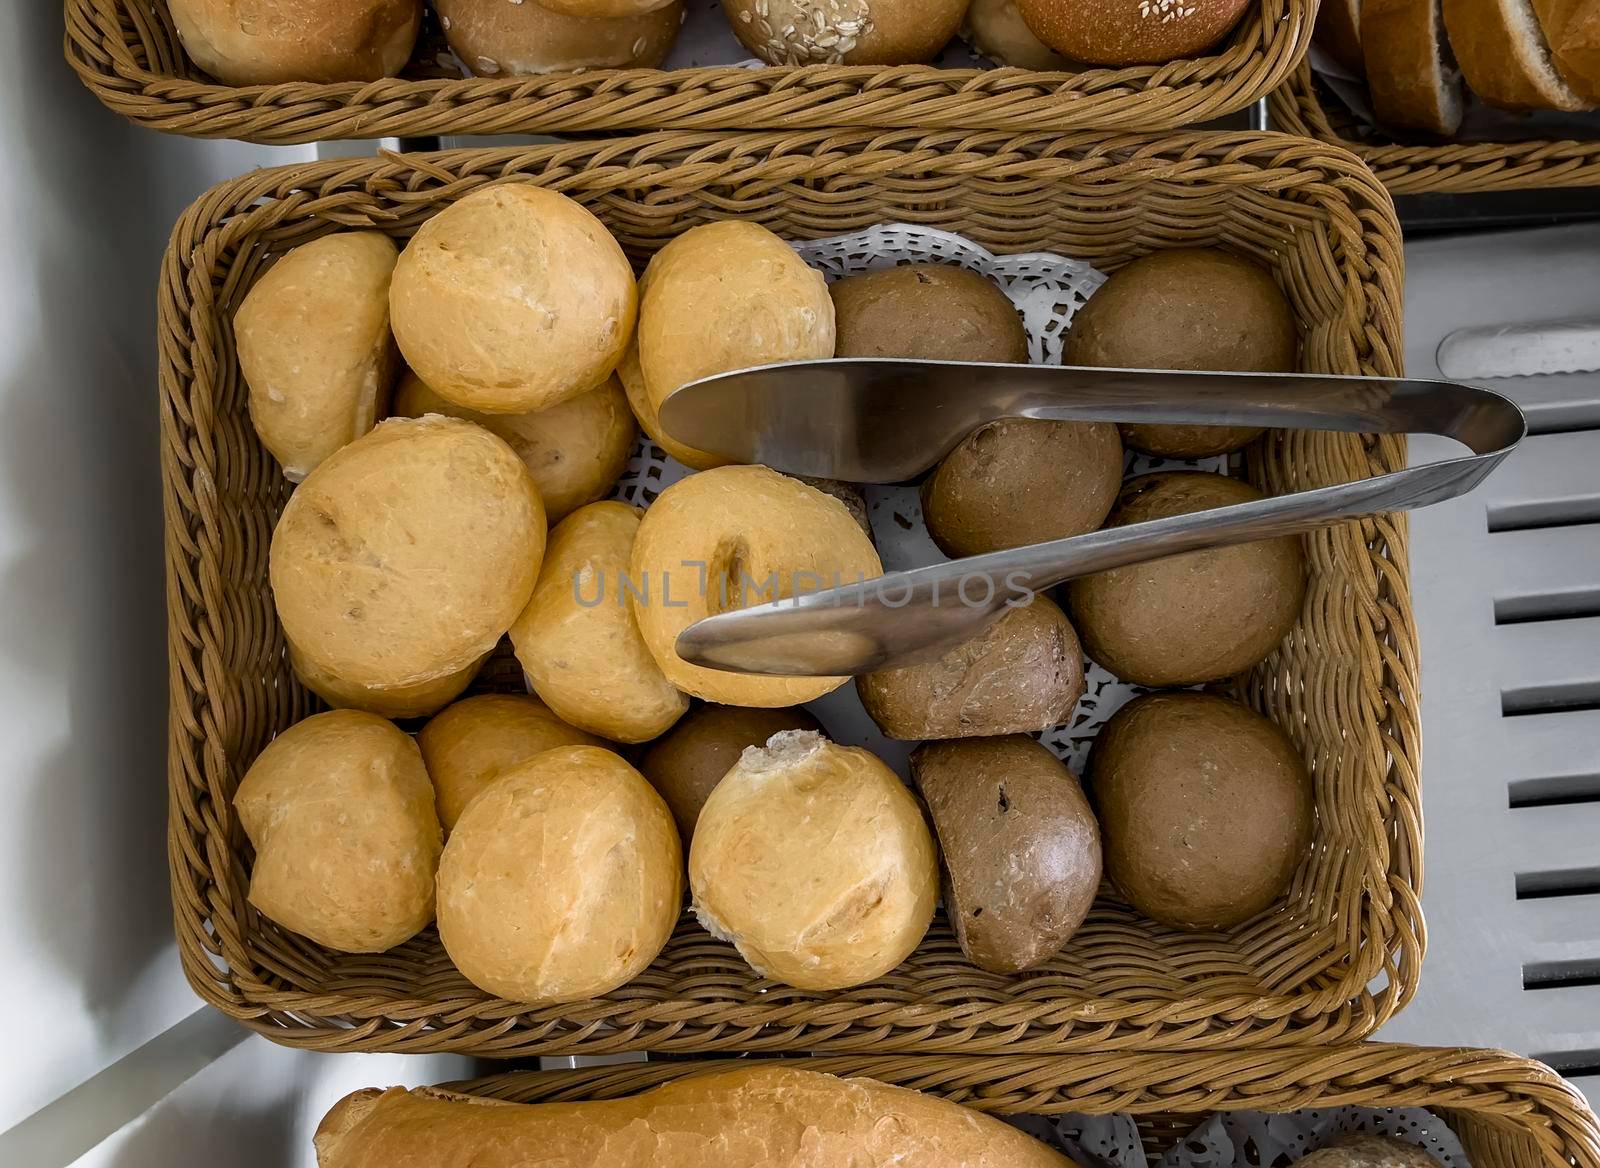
1505 57
1573 29
1411 74
1338 32
752 1117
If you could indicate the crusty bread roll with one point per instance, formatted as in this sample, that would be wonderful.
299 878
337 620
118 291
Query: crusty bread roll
1504 55
995 29
562 880
470 744
495 38
687 764
264 42
726 296
602 9
314 347
735 537
649 418
815 861
1368 1151
578 640
575 451
514 299
1131 32
847 32
402 560
1411 73
758 1116
1573 29
340 812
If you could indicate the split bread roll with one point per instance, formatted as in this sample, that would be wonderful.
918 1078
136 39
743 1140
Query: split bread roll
758 1116
314 346
735 537
1411 73
470 744
248 42
576 451
340 812
578 640
402 560
562 880
495 38
815 861
727 296
1505 57
845 32
513 299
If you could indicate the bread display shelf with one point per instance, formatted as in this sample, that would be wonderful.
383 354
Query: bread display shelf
1506 1111
127 53
1304 106
1335 960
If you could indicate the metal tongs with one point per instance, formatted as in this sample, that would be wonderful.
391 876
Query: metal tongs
886 421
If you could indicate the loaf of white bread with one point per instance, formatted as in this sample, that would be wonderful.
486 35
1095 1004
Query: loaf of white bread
1521 55
753 1117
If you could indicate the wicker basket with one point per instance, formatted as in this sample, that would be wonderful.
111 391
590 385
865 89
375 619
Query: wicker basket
1344 684
127 52
1304 106
1507 1111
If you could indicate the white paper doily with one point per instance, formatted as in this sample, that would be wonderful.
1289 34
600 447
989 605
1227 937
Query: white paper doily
1047 290
1243 1139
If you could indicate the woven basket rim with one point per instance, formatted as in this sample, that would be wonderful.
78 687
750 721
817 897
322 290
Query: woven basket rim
224 217
110 43
1456 168
1504 1089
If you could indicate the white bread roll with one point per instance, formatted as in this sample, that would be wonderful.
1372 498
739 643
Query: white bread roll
494 38
758 1116
340 811
735 537
576 451
562 880
402 560
727 296
845 32
816 862
514 299
649 418
470 744
578 640
264 42
314 347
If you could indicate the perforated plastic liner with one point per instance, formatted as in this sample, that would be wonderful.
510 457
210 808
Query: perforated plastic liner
1242 1139
1047 290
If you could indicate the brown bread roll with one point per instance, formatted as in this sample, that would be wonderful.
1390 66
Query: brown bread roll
726 296
1205 805
470 744
562 880
265 42
494 38
402 560
578 639
314 347
1023 673
1196 617
1019 847
340 813
758 1116
1131 32
735 537
605 9
845 32
815 861
575 451
1369 1152
513 299
1187 308
995 29
1021 481
926 312
687 764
